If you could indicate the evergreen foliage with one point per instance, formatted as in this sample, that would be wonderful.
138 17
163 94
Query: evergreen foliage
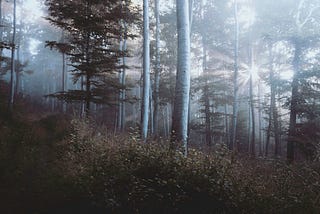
93 31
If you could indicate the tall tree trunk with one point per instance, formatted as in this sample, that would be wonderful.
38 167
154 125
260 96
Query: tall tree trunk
88 76
226 122
253 128
271 79
268 133
206 86
82 107
122 73
279 122
88 95
260 121
182 92
17 70
157 72
274 112
151 129
233 143
1 30
11 97
120 112
146 72
206 97
63 79
294 102
253 142
277 145
122 80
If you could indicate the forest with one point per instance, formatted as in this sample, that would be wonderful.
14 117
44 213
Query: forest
159 106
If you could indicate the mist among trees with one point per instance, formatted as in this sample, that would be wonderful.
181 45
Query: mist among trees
160 106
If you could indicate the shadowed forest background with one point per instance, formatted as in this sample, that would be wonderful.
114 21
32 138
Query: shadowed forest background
127 106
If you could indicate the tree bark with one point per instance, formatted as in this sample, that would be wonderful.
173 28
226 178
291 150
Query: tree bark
1 29
233 144
63 79
17 70
260 120
11 97
157 72
122 81
253 133
182 91
294 102
274 114
206 99
253 128
206 86
226 123
146 72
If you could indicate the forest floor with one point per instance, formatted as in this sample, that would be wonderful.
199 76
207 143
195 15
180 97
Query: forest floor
58 164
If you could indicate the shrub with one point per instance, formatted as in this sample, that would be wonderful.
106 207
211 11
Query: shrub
122 175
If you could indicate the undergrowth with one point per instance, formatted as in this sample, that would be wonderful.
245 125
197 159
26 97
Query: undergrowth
126 176
75 167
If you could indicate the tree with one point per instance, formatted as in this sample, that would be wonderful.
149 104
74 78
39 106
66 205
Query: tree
252 70
90 45
181 103
1 29
273 120
157 71
233 143
299 29
298 41
122 72
13 46
146 72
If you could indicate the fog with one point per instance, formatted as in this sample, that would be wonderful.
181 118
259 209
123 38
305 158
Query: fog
159 106
275 42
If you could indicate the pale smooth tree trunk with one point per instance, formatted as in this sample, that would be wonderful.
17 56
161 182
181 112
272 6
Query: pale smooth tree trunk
151 129
226 122
146 72
11 98
157 72
252 143
182 92
233 143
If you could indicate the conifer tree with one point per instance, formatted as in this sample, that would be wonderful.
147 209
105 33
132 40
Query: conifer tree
92 34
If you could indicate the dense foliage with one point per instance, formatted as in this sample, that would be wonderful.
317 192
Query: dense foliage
92 32
70 166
